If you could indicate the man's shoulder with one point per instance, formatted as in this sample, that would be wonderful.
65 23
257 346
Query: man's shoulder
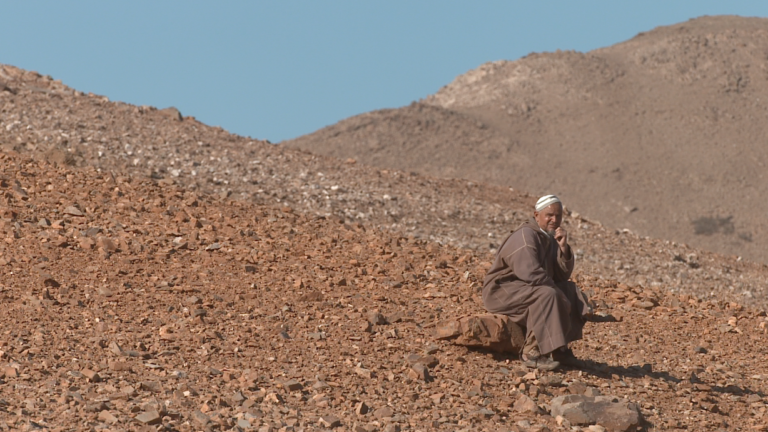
524 235
526 230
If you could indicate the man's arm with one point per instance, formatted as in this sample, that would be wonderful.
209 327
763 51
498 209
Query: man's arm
565 258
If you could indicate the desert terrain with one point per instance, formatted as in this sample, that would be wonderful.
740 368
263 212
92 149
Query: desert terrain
163 274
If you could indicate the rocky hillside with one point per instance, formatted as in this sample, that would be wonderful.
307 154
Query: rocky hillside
132 303
161 274
44 119
663 134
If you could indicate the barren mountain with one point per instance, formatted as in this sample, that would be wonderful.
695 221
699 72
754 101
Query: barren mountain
663 134
162 274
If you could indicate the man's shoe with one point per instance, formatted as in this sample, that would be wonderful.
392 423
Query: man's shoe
540 362
566 357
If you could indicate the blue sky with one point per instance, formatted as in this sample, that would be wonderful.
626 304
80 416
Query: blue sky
277 70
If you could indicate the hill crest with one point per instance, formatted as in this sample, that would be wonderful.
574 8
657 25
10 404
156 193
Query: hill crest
661 134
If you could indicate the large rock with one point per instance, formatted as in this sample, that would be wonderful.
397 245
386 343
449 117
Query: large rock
612 413
490 331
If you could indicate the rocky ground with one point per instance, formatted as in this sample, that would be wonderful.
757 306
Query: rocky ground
133 303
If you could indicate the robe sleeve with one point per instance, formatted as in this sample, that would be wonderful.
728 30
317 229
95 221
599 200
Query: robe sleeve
524 260
564 266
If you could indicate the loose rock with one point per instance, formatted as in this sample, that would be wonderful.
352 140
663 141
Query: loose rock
612 413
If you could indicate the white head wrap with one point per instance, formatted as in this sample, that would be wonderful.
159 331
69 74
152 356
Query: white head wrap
546 201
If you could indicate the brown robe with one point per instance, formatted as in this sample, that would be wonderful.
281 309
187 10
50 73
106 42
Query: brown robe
528 282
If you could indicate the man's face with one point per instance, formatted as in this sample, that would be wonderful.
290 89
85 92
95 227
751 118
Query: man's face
549 219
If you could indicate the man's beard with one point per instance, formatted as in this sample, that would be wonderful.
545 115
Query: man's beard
551 233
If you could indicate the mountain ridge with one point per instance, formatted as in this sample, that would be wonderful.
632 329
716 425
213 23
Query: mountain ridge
661 134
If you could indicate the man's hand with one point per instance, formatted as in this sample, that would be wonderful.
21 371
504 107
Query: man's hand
561 236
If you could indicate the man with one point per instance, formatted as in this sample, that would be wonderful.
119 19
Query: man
528 282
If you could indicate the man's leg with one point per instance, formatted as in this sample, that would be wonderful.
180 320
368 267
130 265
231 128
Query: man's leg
579 309
549 318
544 312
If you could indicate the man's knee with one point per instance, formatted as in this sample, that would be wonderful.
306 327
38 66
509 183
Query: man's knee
576 296
552 295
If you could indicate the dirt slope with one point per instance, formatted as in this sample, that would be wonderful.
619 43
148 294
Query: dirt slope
132 303
45 119
663 134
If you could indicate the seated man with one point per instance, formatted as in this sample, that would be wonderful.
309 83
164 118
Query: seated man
528 282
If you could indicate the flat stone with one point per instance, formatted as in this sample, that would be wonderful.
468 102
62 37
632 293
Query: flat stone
577 387
200 417
329 421
151 386
116 349
490 331
429 361
149 417
553 380
86 243
106 244
316 335
119 366
238 397
107 417
320 385
525 404
73 211
592 391
419 372
616 415
213 247
647 305
312 296
483 414
376 318
392 427
363 372
92 376
412 358
292 385
384 412
92 231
